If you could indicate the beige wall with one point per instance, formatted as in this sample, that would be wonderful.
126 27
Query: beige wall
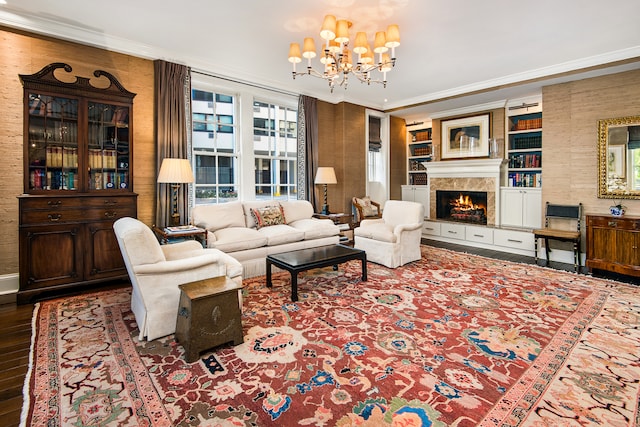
26 54
570 142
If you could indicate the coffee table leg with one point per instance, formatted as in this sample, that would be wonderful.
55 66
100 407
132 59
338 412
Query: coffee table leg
269 284
294 286
364 268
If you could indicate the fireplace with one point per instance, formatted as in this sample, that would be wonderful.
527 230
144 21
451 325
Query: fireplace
462 206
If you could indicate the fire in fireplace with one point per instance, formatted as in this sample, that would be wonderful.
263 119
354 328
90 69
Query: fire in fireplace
462 206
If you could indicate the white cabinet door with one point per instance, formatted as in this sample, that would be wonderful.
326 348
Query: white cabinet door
520 207
417 193
511 207
532 208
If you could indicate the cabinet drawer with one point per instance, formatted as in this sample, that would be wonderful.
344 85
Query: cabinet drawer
430 228
55 216
611 222
513 239
479 234
454 231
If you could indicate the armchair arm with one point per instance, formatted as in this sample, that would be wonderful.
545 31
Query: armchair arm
377 205
178 265
174 250
400 228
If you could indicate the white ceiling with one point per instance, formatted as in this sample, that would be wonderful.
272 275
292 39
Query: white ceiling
453 53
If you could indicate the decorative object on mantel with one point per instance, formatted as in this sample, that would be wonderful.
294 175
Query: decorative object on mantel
465 137
618 209
175 172
337 60
324 176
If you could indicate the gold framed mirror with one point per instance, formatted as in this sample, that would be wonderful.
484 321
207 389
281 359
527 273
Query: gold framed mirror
619 158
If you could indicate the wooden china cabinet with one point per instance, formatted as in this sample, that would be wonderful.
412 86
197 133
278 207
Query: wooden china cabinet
78 158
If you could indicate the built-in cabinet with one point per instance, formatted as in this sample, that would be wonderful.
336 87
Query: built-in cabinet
524 144
77 181
613 244
417 193
521 207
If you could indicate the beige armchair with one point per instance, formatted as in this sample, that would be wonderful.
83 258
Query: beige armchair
156 271
394 239
365 208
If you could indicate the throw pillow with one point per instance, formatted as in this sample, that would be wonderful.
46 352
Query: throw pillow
269 215
367 208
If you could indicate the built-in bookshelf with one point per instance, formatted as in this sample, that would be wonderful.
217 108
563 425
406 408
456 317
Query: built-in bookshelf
419 150
524 145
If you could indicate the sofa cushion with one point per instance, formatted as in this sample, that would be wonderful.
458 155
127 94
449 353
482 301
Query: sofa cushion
379 231
216 217
268 216
295 210
234 239
281 234
316 228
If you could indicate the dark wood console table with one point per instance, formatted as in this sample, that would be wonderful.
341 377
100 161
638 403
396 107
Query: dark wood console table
613 244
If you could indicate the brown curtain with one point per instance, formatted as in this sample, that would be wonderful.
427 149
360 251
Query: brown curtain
172 92
307 148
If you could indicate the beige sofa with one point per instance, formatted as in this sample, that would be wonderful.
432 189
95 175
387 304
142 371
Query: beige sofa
232 228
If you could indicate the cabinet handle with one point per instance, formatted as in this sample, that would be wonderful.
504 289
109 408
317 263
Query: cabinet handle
452 232
110 214
478 235
612 224
110 202
428 228
514 240
54 204
54 218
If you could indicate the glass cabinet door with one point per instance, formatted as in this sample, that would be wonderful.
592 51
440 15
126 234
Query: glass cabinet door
108 146
53 142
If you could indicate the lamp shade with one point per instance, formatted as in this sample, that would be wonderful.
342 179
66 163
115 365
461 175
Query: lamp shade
175 171
294 53
326 175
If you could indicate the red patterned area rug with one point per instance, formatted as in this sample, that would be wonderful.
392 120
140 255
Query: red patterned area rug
453 339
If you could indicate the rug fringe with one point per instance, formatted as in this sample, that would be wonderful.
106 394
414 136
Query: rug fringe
24 414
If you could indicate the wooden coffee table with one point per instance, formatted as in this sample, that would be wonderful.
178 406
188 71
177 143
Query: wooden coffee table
306 259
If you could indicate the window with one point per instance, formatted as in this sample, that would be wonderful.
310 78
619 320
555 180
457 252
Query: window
275 151
215 152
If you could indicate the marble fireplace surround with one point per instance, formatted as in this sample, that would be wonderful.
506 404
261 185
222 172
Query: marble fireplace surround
468 175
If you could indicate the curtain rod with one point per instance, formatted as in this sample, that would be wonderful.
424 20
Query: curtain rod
229 79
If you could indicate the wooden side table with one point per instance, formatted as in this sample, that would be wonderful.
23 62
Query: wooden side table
208 315
165 234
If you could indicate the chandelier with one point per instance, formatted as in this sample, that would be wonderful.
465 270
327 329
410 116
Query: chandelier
337 59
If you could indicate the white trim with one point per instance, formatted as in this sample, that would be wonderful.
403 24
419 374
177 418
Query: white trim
9 283
470 109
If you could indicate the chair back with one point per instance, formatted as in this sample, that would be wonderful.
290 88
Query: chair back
566 213
403 212
137 243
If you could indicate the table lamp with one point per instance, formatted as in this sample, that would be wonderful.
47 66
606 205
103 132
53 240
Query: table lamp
175 172
325 175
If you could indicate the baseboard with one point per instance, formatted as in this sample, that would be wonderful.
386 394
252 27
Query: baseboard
9 283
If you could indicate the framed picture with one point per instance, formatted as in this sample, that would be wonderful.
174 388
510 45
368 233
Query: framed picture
465 137
616 161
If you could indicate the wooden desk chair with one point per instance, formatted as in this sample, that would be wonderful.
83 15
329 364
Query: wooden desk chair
553 215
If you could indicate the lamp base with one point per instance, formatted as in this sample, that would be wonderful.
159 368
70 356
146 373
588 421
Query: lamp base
325 209
175 219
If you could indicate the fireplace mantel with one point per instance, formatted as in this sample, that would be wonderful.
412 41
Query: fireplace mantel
481 168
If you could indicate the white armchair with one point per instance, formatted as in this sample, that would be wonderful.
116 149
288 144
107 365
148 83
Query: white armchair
393 240
156 271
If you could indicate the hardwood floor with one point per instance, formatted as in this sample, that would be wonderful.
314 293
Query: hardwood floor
15 329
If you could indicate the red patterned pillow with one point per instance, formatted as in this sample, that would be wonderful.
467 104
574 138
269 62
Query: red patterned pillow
269 215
